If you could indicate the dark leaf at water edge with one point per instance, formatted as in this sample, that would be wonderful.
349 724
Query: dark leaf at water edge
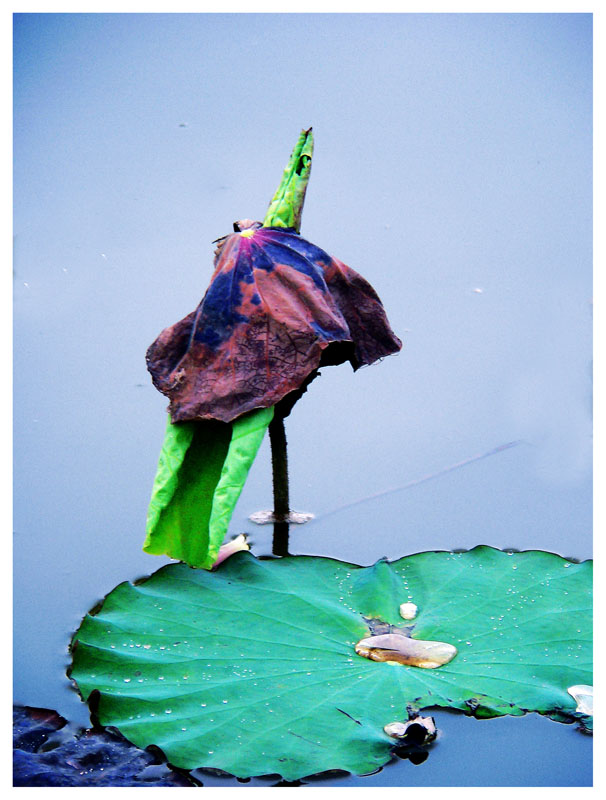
44 757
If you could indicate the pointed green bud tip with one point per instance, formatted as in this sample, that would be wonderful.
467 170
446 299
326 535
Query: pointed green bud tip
287 205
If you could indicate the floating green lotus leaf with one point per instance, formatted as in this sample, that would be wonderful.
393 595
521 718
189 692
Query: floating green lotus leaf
252 669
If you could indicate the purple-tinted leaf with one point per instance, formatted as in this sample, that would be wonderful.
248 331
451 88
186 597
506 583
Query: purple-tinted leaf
32 727
41 757
277 308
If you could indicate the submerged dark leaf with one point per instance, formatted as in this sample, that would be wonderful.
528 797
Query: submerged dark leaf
43 757
277 308
33 727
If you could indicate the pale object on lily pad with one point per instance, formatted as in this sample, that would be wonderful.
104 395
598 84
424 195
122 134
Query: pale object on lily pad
399 730
583 694
408 611
405 650
229 548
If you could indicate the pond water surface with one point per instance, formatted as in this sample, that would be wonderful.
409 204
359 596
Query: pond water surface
452 169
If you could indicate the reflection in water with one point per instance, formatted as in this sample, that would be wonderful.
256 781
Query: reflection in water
280 541
413 738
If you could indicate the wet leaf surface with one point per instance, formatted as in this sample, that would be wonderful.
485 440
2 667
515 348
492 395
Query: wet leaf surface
252 669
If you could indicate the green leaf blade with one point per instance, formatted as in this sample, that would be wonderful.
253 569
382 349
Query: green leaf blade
201 472
286 207
248 432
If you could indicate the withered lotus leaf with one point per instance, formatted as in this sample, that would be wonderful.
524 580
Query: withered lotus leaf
277 308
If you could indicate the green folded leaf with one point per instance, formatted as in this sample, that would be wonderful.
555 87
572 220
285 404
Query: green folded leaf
201 471
253 669
286 206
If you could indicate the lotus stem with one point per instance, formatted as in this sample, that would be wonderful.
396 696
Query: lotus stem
279 468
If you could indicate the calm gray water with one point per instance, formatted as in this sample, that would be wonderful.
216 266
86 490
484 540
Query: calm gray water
452 169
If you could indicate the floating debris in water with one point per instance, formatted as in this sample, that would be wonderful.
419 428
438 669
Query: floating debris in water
402 730
268 517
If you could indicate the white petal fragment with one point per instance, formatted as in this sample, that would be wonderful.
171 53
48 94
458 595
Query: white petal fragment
584 696
234 546
397 730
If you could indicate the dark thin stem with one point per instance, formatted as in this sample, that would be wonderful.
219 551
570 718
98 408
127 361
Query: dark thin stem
280 542
279 468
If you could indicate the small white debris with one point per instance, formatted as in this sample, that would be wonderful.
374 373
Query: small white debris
293 517
584 697
408 610
234 546
398 730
